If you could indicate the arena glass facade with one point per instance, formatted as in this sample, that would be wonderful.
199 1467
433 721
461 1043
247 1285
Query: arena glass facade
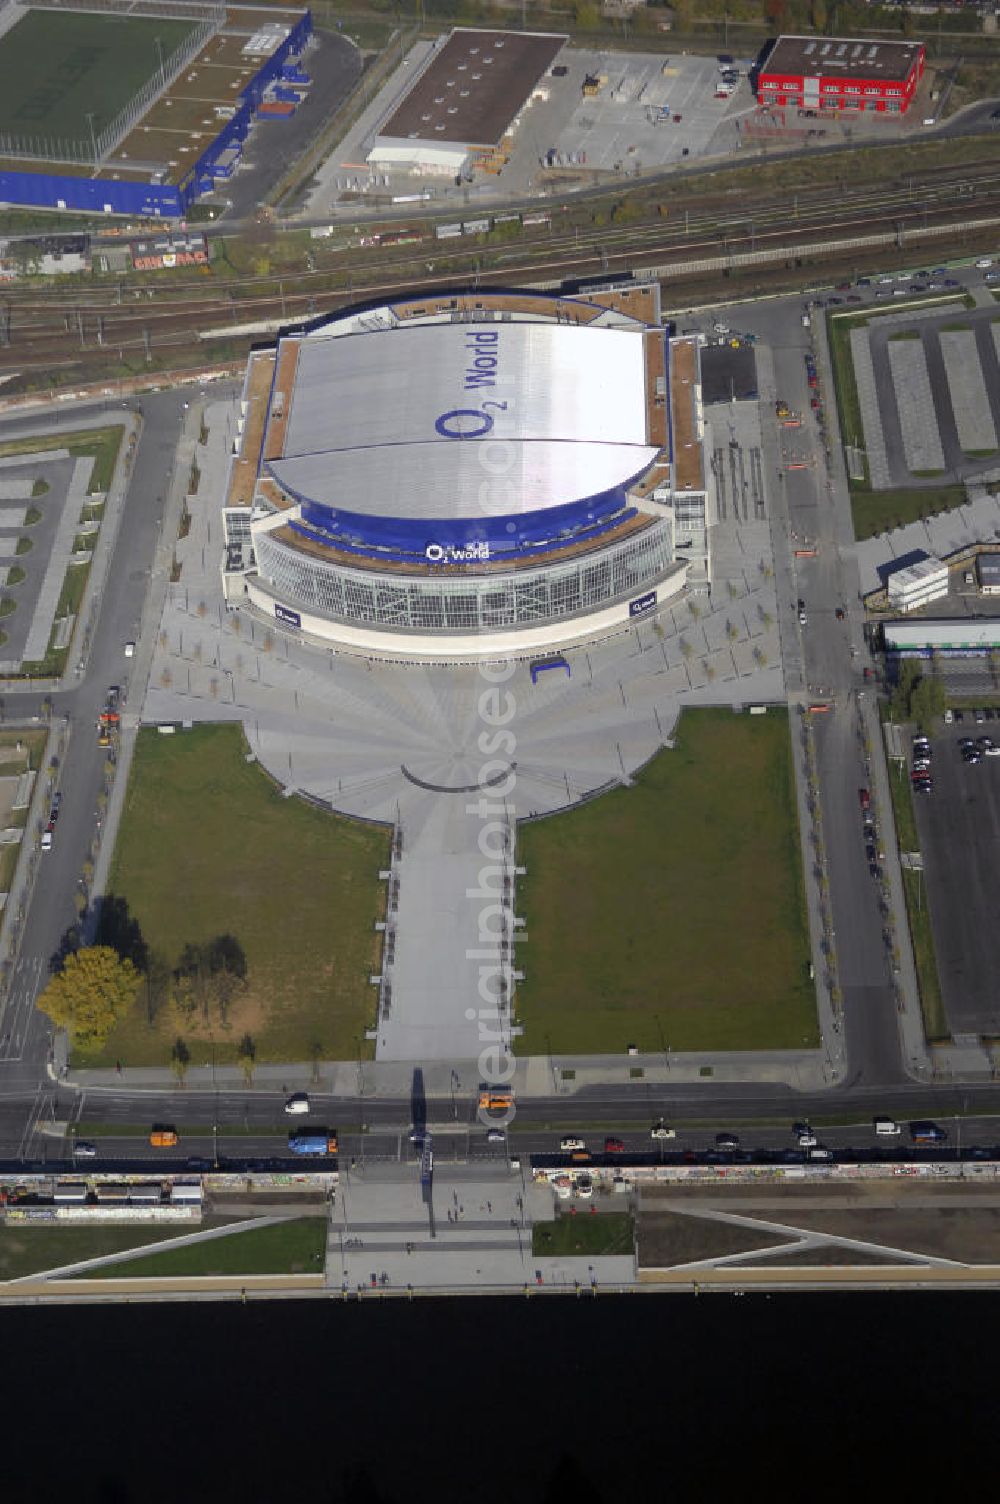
487 603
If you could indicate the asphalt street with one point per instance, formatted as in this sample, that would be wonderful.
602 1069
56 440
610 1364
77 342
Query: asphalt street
25 1039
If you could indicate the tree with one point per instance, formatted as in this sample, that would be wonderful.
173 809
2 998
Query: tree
90 994
909 673
246 1054
927 701
180 1059
819 15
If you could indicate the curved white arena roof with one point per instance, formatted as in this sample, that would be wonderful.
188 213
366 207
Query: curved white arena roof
466 419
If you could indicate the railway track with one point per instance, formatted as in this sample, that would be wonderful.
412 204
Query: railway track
68 329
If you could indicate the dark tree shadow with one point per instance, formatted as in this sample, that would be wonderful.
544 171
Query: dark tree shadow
69 942
115 925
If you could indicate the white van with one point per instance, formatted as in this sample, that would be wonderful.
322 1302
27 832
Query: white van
886 1128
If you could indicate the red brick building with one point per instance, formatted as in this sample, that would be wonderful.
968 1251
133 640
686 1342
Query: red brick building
830 74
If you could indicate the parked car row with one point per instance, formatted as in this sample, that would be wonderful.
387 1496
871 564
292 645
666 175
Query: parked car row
920 773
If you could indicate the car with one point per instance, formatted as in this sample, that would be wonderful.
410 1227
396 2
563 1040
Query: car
995 116
919 287
568 1144
496 1136
904 276
983 262
130 650
297 1103
853 297
989 713
952 282
802 1127
614 1146
934 286
808 1140
660 1130
57 802
47 838
678 119
839 613
925 787
83 1149
979 717
958 717
835 301
802 619
800 604
864 282
819 1153
197 1162
814 404
843 286
162 1136
726 1141
921 739
884 281
900 292
972 756
923 1131
985 743
966 741
993 751
864 798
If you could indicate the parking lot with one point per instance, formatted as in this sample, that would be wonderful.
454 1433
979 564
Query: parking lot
959 830
29 523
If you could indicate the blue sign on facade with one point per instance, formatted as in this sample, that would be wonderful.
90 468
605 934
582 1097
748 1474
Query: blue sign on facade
642 604
290 618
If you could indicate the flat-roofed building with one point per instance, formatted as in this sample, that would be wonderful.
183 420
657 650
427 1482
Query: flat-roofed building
830 74
465 101
988 571
917 584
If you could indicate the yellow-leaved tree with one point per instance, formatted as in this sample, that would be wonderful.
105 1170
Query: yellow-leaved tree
90 994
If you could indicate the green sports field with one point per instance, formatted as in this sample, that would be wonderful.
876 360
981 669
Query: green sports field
56 66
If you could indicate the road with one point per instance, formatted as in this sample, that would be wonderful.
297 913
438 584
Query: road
25 1039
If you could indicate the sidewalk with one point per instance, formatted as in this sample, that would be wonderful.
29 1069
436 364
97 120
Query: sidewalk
535 1077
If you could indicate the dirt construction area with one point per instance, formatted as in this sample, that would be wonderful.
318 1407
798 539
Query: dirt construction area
912 1221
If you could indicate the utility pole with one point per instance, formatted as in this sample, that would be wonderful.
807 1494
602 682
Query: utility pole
93 138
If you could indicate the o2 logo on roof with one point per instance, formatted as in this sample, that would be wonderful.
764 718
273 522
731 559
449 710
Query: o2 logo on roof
468 422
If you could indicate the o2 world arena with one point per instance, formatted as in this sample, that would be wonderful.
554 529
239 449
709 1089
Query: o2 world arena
464 477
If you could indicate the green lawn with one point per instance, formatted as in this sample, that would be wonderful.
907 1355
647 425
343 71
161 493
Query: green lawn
921 934
208 846
672 914
584 1235
56 67
28 1249
876 511
294 1247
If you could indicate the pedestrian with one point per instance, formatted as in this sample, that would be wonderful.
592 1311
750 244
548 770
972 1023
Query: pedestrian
489 1207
